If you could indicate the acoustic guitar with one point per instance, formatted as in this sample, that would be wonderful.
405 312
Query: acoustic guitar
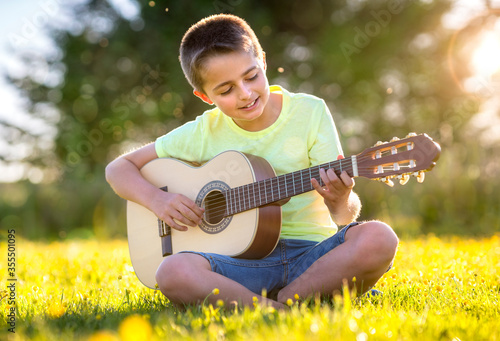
241 195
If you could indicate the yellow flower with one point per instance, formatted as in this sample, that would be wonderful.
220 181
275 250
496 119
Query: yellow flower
103 335
255 299
215 291
271 310
56 310
289 302
296 296
220 303
135 328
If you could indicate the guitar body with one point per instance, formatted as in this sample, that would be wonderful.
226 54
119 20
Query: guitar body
250 234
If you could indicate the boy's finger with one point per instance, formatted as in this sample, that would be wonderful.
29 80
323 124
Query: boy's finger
347 180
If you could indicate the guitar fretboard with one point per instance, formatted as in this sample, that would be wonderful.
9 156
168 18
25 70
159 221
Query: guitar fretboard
268 191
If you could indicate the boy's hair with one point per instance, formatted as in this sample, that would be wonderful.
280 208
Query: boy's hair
214 35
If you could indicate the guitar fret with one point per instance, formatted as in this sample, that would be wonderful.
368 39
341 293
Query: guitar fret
254 202
246 199
243 197
302 183
233 203
235 200
265 191
260 197
318 177
272 192
286 188
278 186
239 198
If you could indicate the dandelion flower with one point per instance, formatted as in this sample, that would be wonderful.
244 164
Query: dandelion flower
103 335
289 302
296 296
56 310
135 328
215 291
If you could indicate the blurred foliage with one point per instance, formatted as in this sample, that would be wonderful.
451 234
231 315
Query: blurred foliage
383 67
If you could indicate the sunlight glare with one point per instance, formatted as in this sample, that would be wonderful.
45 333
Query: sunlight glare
486 57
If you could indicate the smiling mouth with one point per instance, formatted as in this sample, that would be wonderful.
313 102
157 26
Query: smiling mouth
250 105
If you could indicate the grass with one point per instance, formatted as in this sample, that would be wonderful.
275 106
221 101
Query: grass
439 289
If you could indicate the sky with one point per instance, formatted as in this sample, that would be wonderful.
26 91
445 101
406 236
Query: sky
21 28
12 17
20 23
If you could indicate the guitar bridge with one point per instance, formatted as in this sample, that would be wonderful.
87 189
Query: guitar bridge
165 234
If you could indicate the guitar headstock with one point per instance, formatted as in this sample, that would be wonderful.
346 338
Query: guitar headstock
399 158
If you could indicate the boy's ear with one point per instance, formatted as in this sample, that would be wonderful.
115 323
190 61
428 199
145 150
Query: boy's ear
264 60
203 97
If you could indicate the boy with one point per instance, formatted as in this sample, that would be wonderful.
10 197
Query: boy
224 62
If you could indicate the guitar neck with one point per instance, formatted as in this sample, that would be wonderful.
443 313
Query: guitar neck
268 191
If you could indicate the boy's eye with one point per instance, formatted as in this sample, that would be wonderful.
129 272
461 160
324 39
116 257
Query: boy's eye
253 77
227 91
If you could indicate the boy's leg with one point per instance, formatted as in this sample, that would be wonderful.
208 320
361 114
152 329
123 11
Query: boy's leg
187 278
366 254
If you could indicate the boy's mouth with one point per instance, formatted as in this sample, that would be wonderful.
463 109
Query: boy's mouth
251 105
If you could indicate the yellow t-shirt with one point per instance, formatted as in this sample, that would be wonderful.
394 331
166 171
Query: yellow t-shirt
304 135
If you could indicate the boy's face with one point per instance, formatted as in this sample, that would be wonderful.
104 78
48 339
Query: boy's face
237 84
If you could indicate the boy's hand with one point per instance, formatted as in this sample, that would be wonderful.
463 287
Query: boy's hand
336 193
176 209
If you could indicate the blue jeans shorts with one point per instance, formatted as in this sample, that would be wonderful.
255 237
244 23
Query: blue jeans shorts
288 261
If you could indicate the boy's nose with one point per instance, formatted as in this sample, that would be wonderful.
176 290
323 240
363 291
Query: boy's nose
245 92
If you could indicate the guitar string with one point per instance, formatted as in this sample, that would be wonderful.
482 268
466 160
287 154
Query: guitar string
271 190
220 206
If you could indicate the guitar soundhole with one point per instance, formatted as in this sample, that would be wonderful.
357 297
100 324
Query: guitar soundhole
215 207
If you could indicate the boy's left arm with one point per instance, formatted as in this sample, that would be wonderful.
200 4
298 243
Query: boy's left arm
343 203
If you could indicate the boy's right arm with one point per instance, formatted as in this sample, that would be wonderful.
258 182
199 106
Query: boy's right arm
123 174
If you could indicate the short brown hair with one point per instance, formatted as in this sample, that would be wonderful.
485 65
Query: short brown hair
216 34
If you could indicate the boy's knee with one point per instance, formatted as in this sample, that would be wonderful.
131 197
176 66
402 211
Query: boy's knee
384 236
377 240
171 273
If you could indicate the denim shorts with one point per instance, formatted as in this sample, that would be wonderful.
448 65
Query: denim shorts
289 260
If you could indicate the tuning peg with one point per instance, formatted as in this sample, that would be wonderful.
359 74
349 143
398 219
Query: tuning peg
379 143
387 181
411 134
403 179
421 177
394 139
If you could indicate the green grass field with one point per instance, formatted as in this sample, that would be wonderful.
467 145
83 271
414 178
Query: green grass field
439 289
